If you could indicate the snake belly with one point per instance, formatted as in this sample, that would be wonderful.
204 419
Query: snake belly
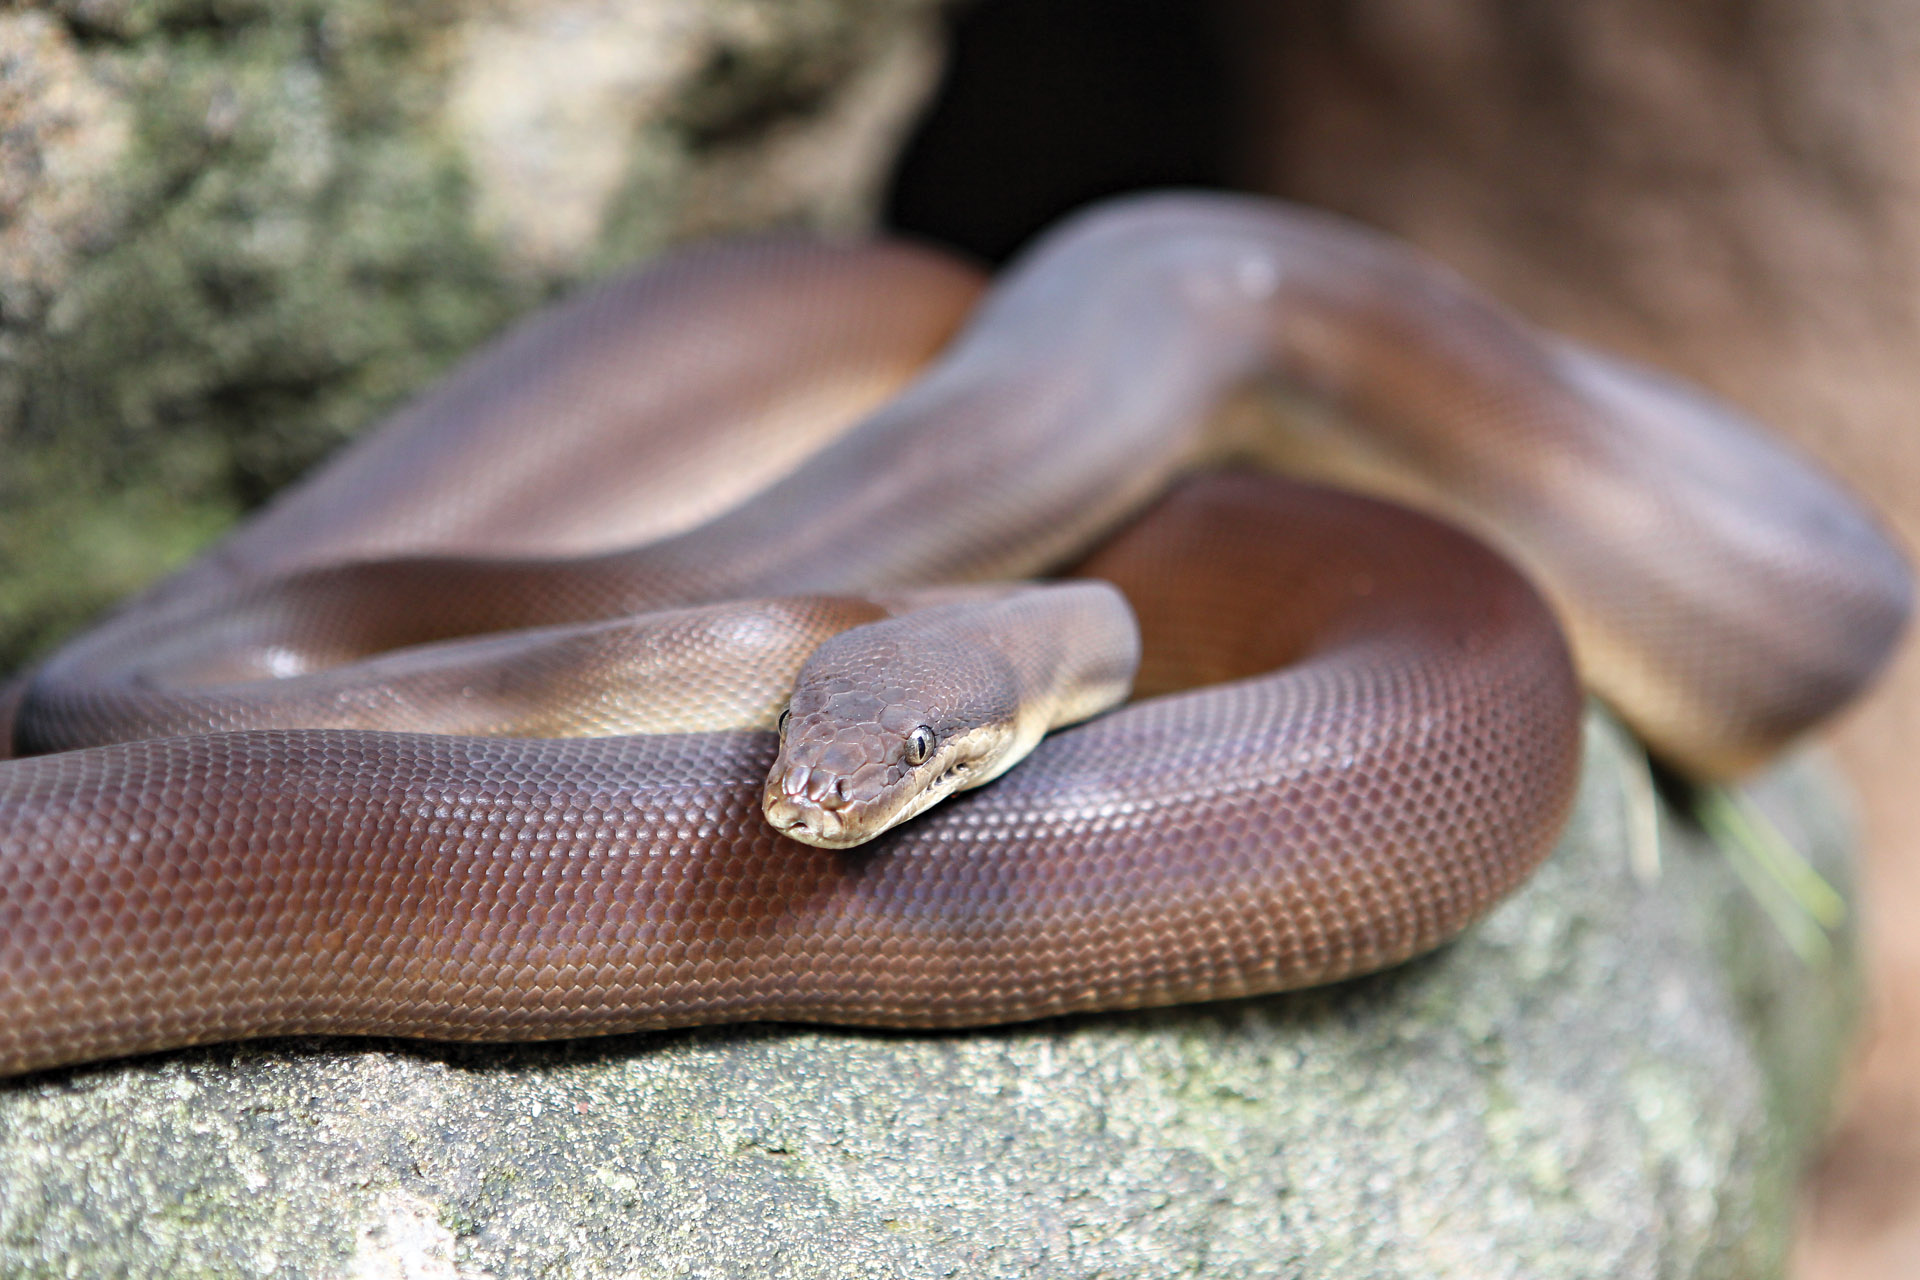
1285 827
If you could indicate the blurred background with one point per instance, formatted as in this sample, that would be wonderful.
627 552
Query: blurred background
233 233
1727 189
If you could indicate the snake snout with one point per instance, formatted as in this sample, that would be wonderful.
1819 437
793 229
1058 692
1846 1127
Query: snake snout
815 786
800 819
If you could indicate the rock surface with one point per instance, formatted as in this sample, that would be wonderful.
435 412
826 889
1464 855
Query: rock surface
1617 1073
233 233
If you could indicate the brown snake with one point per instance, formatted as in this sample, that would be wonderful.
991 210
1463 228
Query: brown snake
1367 730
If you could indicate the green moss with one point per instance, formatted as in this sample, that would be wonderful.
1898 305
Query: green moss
289 247
294 254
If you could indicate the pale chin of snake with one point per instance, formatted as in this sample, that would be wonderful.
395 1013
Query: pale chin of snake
468 735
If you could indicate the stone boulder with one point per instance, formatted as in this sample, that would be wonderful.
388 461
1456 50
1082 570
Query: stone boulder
233 234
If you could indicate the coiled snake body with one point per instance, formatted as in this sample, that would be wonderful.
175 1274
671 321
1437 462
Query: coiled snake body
1365 730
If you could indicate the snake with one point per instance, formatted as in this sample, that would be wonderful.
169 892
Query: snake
515 720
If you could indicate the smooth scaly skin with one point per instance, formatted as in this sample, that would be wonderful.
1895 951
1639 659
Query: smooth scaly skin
1670 535
1290 829
1269 833
529 448
730 665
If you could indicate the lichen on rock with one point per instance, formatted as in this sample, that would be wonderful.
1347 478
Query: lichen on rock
238 231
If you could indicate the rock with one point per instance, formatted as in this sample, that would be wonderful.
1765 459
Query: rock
233 234
1617 1073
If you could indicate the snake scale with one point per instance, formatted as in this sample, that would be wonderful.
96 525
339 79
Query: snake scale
1354 728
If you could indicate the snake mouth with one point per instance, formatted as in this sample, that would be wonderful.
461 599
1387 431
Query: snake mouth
809 823
813 806
842 826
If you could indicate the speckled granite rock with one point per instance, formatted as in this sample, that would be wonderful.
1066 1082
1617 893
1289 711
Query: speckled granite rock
232 232
1614 1075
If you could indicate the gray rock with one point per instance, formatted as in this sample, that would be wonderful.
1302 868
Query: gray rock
1615 1074
233 234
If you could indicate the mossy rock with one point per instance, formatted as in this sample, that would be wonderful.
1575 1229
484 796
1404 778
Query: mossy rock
237 231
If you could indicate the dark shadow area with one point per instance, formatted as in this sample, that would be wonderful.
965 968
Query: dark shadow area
1049 104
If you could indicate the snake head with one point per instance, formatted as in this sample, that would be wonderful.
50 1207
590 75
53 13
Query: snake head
885 721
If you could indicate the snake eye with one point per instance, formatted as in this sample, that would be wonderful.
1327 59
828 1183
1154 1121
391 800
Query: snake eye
785 716
919 745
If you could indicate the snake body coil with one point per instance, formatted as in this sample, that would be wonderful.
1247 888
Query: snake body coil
1284 827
